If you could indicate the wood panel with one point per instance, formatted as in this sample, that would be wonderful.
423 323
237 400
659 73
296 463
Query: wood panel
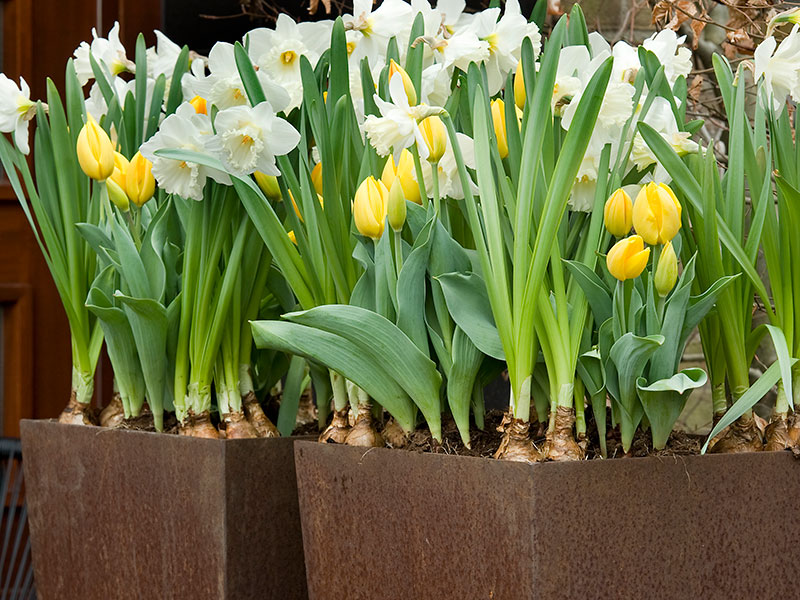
38 38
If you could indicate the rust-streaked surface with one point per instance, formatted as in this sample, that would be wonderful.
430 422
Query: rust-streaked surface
124 514
390 524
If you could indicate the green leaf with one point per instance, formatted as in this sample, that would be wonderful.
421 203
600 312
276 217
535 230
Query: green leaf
290 399
342 356
597 293
468 303
664 400
383 340
467 360
747 400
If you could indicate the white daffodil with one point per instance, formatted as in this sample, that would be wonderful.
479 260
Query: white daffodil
224 87
398 125
463 48
196 82
162 57
779 65
278 51
447 170
661 118
570 79
96 103
187 130
374 28
106 51
504 38
16 110
677 59
436 85
249 138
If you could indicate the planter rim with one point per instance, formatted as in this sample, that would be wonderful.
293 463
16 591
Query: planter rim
124 431
303 445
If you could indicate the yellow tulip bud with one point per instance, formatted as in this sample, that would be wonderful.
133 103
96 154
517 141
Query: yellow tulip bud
666 270
316 177
396 206
499 122
292 237
139 181
269 185
199 104
435 136
627 258
618 213
369 207
519 87
405 171
656 214
95 151
408 85
117 195
120 169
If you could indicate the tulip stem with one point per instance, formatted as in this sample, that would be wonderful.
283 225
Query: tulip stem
398 252
423 193
435 182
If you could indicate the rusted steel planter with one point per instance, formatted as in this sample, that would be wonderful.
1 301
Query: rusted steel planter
126 514
390 524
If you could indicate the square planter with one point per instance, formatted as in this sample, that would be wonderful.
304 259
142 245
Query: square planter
411 525
128 514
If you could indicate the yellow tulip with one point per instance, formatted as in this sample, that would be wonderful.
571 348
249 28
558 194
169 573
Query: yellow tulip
618 213
95 151
627 258
199 104
408 85
405 171
666 271
656 214
139 181
316 177
435 136
120 169
117 195
499 122
369 207
269 185
396 206
519 87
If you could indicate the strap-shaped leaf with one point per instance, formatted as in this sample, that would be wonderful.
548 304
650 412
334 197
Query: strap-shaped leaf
467 360
747 400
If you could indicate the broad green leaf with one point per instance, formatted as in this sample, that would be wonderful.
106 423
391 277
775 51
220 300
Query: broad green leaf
470 308
663 401
383 340
342 356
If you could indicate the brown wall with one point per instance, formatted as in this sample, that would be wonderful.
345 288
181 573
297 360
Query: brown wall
38 37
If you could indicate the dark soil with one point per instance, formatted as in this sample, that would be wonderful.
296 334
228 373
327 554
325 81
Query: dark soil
144 422
485 443
306 429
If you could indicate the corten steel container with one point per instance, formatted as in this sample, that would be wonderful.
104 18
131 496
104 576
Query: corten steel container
128 514
411 525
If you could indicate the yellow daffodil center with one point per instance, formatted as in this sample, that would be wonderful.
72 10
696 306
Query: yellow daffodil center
238 94
350 47
288 57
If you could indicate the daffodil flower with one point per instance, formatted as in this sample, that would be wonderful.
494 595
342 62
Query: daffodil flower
185 129
277 52
108 52
16 110
249 138
398 125
779 66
